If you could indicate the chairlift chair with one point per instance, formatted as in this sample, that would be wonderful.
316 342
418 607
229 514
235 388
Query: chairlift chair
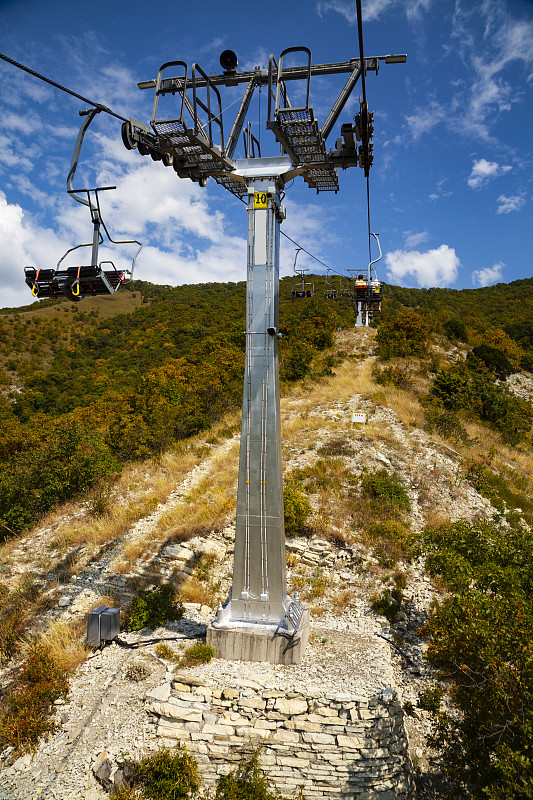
306 288
75 282
374 286
330 293
344 289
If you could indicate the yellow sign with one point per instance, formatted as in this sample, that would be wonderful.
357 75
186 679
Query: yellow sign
260 200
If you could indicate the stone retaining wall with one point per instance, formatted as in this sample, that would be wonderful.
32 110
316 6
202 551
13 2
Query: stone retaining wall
331 745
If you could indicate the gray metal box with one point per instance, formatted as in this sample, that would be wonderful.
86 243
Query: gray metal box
103 624
109 624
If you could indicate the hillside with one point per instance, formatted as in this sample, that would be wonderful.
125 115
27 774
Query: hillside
371 514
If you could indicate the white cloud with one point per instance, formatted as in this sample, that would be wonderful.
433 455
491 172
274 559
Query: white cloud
23 243
439 190
373 9
513 202
488 275
505 40
433 268
413 239
483 171
22 123
10 158
425 119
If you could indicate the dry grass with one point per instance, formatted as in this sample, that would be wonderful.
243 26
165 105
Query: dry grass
344 599
195 591
65 642
208 503
206 507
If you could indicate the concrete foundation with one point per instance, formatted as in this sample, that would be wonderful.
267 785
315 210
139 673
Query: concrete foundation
256 642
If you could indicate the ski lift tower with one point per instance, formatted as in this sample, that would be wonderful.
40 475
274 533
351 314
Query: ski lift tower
259 622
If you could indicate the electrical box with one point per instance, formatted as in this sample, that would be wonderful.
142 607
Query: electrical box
103 624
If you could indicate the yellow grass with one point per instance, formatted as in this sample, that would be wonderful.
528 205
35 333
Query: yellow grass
195 591
66 643
206 507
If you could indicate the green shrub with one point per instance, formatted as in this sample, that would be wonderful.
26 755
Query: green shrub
247 782
165 775
388 604
504 493
526 362
481 641
392 375
403 335
456 329
51 469
391 541
494 359
197 654
458 387
297 510
385 487
153 607
27 712
442 420
430 699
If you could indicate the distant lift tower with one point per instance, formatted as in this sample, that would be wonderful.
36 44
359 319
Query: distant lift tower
259 622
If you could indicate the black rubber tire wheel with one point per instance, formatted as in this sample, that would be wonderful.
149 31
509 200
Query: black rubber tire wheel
127 140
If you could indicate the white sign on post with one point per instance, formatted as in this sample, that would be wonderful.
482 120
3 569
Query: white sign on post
358 417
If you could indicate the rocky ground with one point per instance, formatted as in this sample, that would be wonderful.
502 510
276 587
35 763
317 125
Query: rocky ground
350 648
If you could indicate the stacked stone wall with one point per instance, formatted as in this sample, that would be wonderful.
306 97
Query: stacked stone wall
330 745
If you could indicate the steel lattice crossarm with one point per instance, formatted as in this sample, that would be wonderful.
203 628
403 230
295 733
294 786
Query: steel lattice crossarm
192 140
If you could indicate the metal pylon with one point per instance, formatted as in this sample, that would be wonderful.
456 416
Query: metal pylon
259 592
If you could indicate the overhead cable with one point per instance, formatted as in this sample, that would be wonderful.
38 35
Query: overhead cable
63 88
340 274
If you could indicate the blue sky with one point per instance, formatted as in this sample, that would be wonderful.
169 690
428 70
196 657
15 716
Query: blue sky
451 183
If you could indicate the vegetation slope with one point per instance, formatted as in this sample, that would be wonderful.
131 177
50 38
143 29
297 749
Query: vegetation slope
86 391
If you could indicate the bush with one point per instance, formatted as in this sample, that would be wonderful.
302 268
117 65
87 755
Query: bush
165 775
152 607
246 782
51 469
388 604
430 699
386 487
297 510
452 387
172 774
458 387
443 420
495 360
481 641
197 654
404 335
27 712
391 541
526 362
392 376
456 329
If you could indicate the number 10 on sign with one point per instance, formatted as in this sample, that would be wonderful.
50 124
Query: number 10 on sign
260 200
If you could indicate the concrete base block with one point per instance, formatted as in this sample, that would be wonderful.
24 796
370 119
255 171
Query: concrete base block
259 642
